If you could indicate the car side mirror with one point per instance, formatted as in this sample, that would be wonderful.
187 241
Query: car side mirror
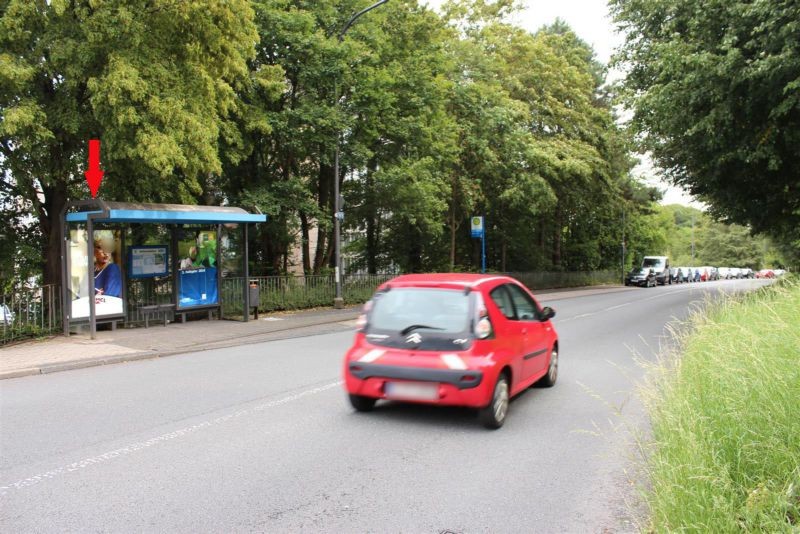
548 313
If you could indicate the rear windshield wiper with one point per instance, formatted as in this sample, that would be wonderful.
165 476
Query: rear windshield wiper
408 329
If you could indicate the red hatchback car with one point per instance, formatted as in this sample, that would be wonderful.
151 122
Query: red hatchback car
451 339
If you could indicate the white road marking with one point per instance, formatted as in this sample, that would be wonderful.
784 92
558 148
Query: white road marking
141 445
658 296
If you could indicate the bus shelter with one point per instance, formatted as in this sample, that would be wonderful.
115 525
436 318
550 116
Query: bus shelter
121 261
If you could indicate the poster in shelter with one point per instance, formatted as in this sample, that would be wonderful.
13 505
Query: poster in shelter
198 268
102 279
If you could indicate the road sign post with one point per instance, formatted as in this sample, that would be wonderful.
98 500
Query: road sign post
477 229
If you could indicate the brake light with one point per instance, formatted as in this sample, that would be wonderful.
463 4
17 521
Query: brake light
361 321
483 326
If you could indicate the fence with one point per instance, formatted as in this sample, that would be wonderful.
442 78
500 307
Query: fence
148 292
37 312
30 313
299 292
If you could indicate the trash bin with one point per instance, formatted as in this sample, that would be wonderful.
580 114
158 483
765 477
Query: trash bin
254 294
255 299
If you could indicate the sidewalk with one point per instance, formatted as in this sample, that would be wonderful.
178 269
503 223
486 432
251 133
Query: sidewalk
61 353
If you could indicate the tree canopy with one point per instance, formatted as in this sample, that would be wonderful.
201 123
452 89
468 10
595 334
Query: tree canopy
715 88
439 116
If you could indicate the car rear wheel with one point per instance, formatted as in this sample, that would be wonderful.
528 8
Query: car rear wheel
361 403
494 415
549 380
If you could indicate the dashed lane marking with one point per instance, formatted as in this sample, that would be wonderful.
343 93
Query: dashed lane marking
163 438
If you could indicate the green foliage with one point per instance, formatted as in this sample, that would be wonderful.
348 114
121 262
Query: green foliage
715 87
725 452
156 81
715 243
438 118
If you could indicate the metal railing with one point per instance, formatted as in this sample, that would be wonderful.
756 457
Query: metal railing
299 292
148 292
551 280
37 311
30 313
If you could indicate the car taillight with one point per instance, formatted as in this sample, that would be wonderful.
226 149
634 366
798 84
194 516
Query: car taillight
361 321
483 328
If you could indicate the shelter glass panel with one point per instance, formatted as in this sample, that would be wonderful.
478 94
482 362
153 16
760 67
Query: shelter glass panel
232 265
197 250
103 281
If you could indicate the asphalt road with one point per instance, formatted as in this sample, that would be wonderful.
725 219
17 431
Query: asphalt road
261 438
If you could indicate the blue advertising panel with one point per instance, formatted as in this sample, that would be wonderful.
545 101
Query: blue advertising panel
198 287
147 261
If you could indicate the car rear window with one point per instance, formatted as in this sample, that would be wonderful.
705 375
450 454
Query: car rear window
441 311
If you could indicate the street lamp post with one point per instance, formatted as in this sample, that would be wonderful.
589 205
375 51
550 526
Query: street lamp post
338 215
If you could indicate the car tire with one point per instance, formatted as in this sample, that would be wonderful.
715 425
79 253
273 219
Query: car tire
494 414
549 380
361 403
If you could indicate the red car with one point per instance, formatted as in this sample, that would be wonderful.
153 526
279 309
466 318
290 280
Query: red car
454 340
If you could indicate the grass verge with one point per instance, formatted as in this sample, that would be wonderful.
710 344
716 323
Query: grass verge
725 453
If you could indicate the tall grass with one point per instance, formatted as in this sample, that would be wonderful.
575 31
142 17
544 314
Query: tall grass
725 453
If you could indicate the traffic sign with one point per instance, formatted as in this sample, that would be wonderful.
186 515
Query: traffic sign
476 226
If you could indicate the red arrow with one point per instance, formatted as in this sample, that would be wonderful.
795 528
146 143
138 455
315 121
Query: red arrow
94 175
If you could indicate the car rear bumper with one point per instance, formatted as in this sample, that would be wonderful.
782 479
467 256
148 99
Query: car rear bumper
455 387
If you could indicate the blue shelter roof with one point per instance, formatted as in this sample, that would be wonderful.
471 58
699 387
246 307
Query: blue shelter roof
133 212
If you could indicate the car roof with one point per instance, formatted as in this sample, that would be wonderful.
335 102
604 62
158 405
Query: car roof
444 280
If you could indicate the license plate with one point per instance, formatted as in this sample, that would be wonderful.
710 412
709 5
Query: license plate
412 390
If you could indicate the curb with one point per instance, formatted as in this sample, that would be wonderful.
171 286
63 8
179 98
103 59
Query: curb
236 341
150 355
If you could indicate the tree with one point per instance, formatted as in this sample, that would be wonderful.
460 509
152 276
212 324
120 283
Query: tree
714 87
155 80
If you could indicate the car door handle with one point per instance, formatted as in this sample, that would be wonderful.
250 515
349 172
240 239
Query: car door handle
524 330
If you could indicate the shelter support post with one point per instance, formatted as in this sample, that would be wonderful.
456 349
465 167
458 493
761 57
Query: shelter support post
246 273
89 263
66 304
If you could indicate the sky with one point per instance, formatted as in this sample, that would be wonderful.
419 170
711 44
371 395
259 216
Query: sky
590 20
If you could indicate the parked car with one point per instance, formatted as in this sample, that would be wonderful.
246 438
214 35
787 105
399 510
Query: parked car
685 273
724 273
708 273
6 315
676 275
765 273
779 272
451 339
660 265
639 276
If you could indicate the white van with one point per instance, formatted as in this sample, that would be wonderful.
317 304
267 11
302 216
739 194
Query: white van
660 265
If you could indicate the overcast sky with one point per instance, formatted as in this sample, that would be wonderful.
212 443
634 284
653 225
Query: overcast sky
590 20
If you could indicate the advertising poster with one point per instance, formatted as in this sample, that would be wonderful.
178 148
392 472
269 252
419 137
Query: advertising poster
198 287
197 251
102 280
